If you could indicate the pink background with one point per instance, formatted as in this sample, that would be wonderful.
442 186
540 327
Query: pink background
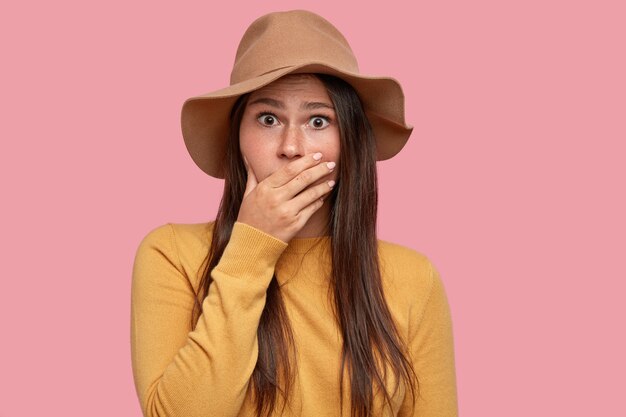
512 183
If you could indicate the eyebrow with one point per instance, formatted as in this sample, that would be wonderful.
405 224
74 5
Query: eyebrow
307 105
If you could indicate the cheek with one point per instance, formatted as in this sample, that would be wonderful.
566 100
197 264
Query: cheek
331 150
256 155
245 139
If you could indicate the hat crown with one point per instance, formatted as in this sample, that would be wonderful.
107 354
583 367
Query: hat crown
284 39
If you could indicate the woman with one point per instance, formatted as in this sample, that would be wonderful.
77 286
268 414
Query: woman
288 303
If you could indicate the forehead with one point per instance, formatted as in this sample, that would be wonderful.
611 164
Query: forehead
294 86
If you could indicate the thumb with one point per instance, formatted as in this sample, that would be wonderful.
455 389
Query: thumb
252 182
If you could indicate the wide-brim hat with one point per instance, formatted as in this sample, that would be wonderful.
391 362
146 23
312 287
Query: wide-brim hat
282 43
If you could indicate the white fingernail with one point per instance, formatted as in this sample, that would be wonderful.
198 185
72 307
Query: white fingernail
317 156
331 165
331 183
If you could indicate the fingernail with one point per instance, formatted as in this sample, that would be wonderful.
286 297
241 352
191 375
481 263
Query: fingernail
330 165
317 156
331 183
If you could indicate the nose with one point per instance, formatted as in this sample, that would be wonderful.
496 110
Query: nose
291 145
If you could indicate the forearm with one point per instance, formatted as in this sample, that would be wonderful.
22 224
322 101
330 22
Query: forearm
209 374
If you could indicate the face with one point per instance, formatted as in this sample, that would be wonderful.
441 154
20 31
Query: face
286 120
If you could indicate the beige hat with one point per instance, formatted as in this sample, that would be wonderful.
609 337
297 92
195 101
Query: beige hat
281 43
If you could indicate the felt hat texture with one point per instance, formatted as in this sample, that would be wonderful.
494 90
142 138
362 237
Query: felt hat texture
290 42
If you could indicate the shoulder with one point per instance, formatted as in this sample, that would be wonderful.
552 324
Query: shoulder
183 245
182 235
409 277
401 263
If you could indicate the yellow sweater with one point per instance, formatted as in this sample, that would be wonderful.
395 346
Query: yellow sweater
204 372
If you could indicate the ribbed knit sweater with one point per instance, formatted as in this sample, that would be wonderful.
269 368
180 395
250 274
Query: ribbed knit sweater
205 371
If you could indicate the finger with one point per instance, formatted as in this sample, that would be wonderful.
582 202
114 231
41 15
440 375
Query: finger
292 169
251 182
306 213
307 197
307 177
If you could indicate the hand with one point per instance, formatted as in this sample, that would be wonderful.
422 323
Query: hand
277 206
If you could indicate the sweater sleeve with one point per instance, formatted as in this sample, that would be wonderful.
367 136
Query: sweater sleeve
205 371
431 346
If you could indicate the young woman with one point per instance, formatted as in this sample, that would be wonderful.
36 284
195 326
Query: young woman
287 304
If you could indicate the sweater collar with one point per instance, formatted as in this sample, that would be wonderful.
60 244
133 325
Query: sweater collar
308 244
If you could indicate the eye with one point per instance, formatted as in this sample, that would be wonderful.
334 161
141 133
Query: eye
267 119
319 122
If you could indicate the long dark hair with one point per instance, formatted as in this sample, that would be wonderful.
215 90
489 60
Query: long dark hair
371 342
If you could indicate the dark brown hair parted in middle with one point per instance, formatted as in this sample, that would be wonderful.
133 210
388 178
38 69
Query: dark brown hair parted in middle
368 331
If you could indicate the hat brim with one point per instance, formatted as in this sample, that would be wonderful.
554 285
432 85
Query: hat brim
205 118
